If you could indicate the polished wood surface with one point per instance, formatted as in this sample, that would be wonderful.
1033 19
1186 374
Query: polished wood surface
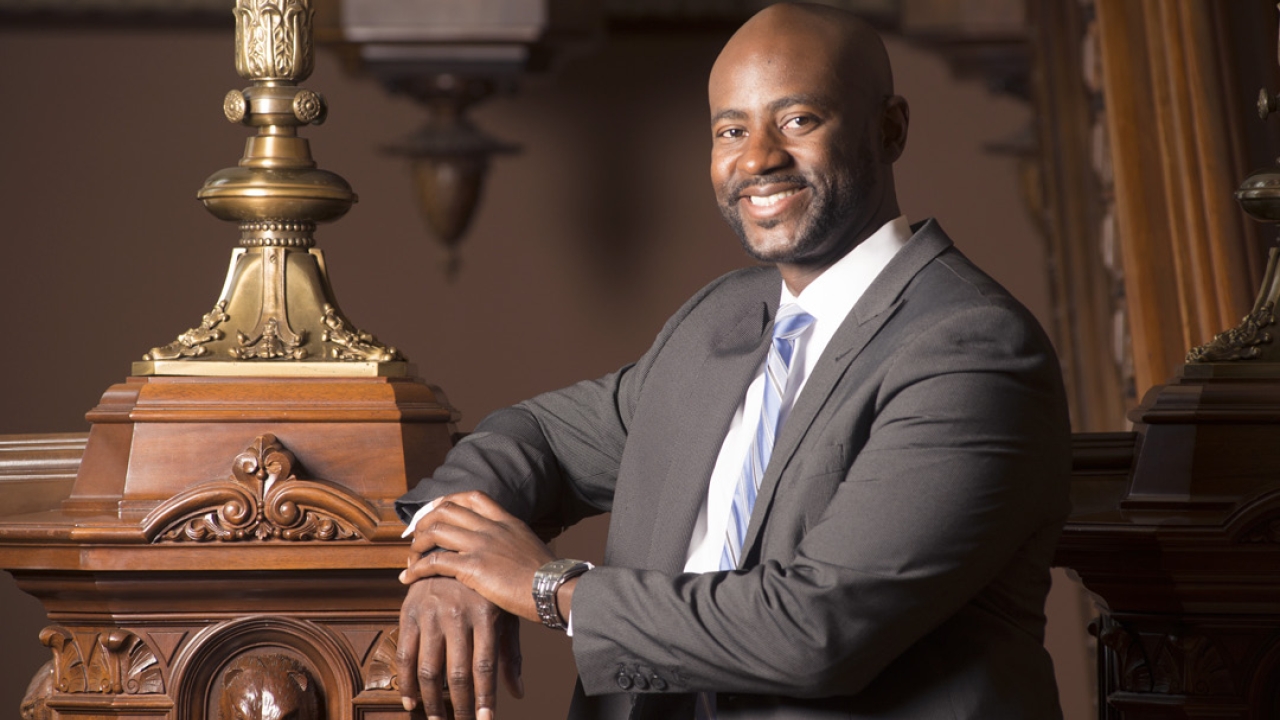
1176 529
226 538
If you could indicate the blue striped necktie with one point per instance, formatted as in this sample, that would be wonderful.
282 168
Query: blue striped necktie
790 322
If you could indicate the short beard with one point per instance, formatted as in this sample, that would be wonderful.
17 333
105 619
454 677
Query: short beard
833 205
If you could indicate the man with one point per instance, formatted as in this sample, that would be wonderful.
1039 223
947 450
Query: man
836 482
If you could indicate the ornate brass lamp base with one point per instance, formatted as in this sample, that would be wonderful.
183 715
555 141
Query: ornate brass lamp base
276 315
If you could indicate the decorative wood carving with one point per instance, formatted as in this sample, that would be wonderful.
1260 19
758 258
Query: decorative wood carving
112 661
1134 671
263 500
35 703
268 687
380 668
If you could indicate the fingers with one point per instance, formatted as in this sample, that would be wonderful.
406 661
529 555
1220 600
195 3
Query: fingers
436 564
459 651
451 637
484 668
420 654
448 525
407 658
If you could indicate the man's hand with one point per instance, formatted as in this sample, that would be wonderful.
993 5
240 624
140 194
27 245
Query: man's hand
448 632
486 548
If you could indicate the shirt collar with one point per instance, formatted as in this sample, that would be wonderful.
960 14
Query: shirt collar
831 295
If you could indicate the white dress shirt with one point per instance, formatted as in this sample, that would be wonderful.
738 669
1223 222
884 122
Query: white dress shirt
828 298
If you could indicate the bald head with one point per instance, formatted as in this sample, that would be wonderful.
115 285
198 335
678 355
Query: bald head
850 49
805 131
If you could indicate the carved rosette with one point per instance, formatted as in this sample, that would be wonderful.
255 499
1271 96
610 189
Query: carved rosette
1242 342
263 500
115 662
273 39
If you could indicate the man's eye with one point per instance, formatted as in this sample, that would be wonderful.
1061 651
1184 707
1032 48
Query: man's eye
799 122
731 133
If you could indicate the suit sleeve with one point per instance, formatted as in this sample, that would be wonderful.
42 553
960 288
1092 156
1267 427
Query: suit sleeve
552 460
965 462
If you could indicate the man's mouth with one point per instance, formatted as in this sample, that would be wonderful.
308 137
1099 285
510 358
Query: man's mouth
768 200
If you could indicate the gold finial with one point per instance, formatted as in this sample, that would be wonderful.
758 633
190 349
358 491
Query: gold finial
276 314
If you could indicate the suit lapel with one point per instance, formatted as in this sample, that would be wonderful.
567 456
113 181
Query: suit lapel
717 389
875 308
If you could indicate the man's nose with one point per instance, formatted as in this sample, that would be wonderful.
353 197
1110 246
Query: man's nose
764 153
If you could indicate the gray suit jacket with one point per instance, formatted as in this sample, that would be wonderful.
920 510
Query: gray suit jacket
896 562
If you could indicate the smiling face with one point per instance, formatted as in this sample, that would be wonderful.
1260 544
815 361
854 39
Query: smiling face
800 104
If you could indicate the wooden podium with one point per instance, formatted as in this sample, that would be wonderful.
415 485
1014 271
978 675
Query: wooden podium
1176 529
227 538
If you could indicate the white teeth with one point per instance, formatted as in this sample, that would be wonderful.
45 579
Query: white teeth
767 200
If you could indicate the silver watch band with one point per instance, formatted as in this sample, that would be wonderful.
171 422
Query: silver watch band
547 580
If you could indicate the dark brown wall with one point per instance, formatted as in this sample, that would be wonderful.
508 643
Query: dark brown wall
585 241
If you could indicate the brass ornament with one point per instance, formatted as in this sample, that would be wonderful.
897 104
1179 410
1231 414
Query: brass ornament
192 342
1242 342
273 39
353 344
235 106
1251 340
263 500
270 343
309 107
277 292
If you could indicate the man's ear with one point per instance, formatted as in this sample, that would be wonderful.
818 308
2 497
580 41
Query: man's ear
893 128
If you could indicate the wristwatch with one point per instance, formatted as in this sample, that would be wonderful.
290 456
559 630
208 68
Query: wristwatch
547 580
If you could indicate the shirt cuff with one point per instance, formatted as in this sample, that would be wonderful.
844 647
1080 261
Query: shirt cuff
413 521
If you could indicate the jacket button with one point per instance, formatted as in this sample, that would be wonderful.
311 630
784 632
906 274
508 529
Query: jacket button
624 680
658 683
641 682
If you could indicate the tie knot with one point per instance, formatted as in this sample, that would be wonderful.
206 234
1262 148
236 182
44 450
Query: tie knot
790 322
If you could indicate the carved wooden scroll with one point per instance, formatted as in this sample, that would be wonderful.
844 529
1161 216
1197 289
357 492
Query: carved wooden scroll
263 500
